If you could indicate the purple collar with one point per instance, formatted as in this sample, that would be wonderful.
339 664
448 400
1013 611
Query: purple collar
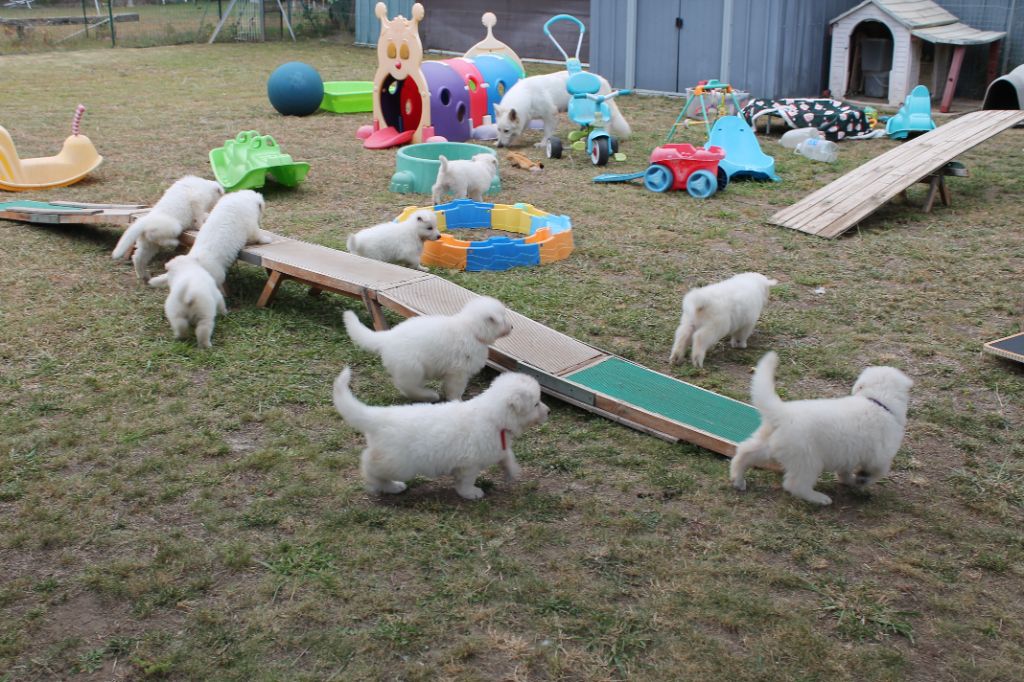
880 404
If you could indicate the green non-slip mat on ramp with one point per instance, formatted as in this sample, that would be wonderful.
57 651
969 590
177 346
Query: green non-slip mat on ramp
716 414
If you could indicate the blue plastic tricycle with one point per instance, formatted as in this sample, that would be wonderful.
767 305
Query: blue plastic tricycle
587 109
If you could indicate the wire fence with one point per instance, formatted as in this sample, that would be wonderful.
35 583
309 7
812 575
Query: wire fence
41 25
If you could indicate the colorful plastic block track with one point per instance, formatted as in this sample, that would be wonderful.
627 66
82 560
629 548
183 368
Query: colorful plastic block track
548 237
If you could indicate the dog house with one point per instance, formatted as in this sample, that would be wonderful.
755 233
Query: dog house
877 49
1006 92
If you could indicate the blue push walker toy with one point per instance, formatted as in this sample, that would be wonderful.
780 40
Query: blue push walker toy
587 109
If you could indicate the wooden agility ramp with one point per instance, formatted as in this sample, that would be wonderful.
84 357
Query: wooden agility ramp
838 206
566 368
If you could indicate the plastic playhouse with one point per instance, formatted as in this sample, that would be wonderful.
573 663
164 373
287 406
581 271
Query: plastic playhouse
548 237
348 97
248 160
587 108
77 158
678 167
416 166
914 117
414 101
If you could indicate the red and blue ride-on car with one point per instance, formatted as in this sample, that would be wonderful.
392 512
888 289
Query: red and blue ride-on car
678 167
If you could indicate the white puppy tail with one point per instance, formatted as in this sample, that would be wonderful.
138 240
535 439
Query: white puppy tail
762 387
350 244
363 336
127 240
347 405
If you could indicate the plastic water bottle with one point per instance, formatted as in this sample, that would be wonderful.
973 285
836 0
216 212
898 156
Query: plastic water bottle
794 137
819 150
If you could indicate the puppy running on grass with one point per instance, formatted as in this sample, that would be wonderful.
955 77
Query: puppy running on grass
710 313
193 299
856 436
456 438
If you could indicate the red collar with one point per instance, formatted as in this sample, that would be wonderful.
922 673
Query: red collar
504 445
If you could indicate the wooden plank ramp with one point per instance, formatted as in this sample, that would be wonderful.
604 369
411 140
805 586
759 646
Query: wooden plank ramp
838 206
566 368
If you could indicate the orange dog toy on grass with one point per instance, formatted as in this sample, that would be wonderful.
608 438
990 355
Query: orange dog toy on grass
522 161
77 159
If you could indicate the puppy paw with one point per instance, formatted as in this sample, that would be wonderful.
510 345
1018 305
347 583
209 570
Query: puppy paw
740 484
389 487
815 497
512 472
675 358
470 493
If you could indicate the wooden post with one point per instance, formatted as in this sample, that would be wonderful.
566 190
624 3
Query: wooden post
954 75
113 31
993 62
269 289
85 19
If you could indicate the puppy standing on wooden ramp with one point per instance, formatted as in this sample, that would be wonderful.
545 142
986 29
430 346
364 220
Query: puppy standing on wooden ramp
454 438
183 206
452 348
233 223
465 178
856 436
730 307
194 299
396 242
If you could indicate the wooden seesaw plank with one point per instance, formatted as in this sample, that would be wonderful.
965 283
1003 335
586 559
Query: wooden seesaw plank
838 206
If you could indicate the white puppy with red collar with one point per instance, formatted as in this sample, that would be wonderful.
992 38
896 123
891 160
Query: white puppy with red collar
456 438
856 436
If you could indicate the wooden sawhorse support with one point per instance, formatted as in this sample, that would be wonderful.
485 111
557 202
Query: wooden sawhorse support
275 278
937 185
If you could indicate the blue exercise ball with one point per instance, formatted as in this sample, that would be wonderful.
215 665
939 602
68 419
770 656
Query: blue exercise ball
295 89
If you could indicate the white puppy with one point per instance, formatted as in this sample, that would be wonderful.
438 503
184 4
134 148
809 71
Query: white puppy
465 178
856 436
183 206
194 299
451 348
396 242
457 438
543 97
233 223
730 307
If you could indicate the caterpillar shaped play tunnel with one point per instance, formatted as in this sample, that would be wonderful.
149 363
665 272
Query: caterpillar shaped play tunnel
548 237
415 100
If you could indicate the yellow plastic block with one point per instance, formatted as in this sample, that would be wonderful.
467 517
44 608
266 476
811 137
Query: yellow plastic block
510 219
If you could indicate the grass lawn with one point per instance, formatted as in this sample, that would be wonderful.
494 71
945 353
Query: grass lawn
173 513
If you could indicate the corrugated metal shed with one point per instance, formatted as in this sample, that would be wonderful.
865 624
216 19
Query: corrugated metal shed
770 48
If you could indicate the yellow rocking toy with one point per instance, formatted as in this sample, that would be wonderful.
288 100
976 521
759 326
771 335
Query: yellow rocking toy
77 159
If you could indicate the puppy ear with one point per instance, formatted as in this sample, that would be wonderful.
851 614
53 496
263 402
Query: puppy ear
498 111
512 115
